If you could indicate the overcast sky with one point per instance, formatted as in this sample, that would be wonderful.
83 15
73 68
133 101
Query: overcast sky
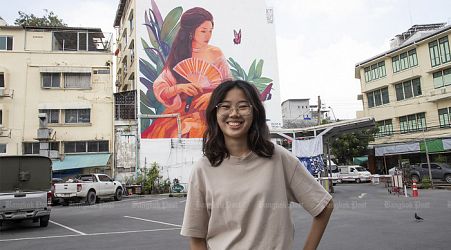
318 41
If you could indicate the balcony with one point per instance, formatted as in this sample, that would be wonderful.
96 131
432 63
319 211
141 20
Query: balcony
81 40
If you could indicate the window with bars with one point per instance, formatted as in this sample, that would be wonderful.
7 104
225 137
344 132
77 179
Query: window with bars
86 146
439 51
124 105
444 117
51 80
385 128
408 89
77 115
375 71
412 123
404 60
2 80
378 97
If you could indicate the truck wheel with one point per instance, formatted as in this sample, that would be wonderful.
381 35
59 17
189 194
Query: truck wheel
91 198
448 178
118 194
415 178
44 221
357 180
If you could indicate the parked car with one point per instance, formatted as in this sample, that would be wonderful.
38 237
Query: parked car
25 188
354 173
441 171
89 188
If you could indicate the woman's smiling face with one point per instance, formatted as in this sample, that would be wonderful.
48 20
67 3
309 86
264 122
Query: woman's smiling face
235 124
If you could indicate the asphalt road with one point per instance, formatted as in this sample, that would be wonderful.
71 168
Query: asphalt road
366 216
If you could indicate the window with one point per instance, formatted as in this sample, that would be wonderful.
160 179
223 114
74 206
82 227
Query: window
375 71
130 22
104 178
442 78
51 80
71 80
32 148
53 115
439 51
2 80
77 116
378 97
124 37
444 117
77 80
6 43
1 117
2 148
102 71
408 89
412 123
385 128
86 146
405 60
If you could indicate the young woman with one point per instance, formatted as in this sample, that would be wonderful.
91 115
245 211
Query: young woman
178 95
239 193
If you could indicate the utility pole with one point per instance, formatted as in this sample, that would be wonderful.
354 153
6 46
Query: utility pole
319 110
427 158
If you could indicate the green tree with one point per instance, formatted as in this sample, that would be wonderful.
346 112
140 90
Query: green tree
350 145
48 20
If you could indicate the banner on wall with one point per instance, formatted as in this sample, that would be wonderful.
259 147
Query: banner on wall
187 48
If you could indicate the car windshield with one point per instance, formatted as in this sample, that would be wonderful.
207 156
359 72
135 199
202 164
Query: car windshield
360 169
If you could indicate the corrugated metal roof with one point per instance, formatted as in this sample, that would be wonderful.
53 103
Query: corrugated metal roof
82 161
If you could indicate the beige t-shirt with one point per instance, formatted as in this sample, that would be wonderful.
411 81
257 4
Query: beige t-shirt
244 202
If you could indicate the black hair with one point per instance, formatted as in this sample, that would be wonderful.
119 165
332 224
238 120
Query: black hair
258 137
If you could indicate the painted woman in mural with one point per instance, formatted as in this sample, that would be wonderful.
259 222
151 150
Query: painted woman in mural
193 69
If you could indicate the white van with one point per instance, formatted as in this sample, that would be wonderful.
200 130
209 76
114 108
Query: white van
354 173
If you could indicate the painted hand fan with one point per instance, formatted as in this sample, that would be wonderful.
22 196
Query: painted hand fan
199 71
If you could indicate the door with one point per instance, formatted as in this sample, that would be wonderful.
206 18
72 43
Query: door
106 184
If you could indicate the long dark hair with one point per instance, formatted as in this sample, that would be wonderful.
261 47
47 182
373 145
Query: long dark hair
182 44
213 145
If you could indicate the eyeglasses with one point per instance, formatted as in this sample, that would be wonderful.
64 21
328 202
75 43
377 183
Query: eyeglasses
242 108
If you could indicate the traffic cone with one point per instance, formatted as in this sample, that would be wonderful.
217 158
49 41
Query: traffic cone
414 189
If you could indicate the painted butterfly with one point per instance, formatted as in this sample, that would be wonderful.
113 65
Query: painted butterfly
237 37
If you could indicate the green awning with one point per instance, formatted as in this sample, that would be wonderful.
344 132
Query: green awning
435 145
360 160
81 161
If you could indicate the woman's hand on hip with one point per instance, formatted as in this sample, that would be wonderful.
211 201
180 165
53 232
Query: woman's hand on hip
202 101
190 89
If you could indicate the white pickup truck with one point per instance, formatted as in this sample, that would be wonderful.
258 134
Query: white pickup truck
25 189
89 188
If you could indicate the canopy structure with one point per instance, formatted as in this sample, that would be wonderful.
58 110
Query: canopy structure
82 161
360 160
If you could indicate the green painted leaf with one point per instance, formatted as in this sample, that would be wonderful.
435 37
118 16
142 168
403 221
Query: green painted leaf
170 22
152 56
144 99
259 86
259 69
252 70
264 80
145 123
152 38
146 110
170 37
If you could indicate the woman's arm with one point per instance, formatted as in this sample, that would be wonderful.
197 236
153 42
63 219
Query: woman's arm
318 226
198 244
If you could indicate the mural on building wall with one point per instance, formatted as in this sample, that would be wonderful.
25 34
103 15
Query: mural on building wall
181 66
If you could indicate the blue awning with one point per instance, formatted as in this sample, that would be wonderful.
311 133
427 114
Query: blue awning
81 161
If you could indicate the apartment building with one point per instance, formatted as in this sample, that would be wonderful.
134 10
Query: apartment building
56 96
407 89
125 96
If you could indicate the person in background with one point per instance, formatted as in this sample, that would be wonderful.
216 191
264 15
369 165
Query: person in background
240 191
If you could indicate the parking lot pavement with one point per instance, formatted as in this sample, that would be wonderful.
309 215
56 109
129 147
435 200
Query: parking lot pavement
366 216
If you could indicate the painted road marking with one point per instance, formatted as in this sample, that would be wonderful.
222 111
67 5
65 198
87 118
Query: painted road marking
68 228
93 234
160 222
138 203
362 195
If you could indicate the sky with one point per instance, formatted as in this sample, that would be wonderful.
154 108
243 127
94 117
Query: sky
319 42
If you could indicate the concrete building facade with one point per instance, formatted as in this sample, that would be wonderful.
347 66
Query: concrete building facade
407 89
64 73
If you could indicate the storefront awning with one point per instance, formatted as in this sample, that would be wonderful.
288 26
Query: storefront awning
82 161
360 160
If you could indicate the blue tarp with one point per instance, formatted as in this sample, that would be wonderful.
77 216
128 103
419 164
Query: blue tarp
81 161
